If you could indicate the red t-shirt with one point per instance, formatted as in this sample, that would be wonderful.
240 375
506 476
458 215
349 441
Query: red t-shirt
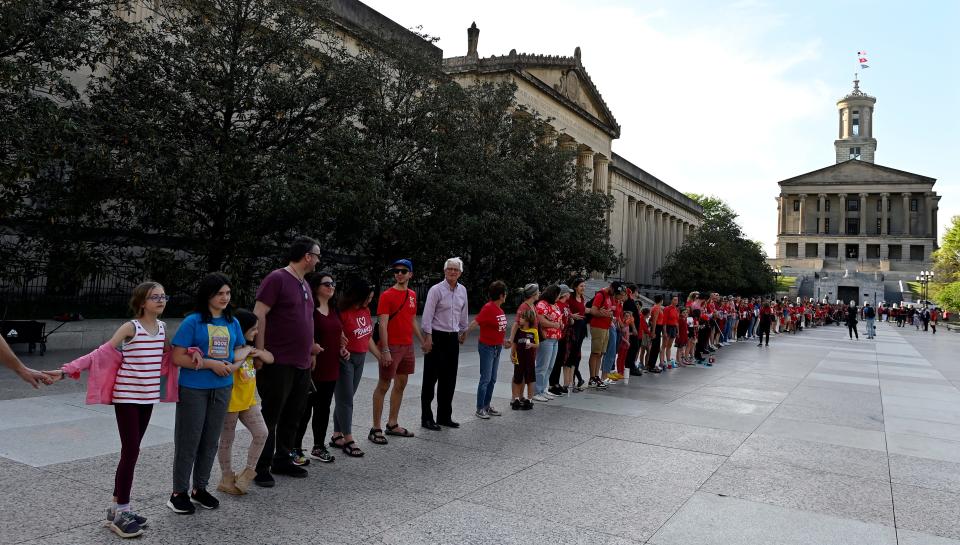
671 316
358 328
493 324
577 307
642 326
564 314
552 313
661 315
403 308
524 307
602 300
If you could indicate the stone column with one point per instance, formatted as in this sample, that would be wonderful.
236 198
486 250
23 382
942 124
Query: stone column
822 213
585 166
627 239
679 228
601 180
800 226
659 232
863 214
928 213
781 210
906 213
884 200
843 215
649 243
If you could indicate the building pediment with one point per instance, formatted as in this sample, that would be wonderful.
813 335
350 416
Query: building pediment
855 172
562 78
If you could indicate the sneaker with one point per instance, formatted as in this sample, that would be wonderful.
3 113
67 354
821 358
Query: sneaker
516 404
125 525
526 404
264 479
112 515
564 389
557 391
580 383
493 412
608 381
577 389
546 393
180 504
541 398
322 454
204 499
482 413
299 458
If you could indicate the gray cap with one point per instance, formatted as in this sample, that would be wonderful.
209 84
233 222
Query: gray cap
565 289
530 290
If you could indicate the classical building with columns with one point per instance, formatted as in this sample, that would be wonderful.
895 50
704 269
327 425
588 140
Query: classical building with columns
857 218
649 218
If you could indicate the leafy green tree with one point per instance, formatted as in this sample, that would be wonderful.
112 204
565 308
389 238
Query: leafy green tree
946 265
718 256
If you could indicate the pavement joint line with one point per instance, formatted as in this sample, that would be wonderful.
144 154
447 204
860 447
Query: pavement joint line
886 445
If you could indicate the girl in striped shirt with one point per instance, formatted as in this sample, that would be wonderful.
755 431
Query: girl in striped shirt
136 389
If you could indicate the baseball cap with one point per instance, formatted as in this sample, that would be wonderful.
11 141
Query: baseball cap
565 289
404 262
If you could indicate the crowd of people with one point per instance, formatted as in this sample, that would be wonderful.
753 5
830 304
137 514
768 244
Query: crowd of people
303 346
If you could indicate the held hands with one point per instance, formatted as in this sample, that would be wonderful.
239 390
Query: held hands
221 368
462 336
427 344
385 358
51 376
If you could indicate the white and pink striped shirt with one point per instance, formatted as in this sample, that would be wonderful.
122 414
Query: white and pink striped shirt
138 379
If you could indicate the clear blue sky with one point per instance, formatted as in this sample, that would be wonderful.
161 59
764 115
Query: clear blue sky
728 98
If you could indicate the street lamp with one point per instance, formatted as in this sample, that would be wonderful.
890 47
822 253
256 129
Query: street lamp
777 273
924 278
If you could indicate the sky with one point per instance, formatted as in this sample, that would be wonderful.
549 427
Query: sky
728 98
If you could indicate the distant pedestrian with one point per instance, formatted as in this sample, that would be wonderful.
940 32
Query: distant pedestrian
869 316
852 320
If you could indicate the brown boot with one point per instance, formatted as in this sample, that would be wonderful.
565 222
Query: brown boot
228 484
244 479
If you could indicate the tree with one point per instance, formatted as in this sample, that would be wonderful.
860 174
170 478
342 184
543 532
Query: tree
717 256
946 266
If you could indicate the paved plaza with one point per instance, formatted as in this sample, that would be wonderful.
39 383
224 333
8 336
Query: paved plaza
815 440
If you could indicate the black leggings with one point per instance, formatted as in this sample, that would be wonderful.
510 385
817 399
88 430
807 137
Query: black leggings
655 347
132 422
764 329
318 405
852 329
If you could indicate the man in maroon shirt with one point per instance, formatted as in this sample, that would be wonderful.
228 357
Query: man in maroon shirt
284 309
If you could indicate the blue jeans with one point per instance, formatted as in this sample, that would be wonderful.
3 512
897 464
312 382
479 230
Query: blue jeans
610 356
871 330
489 360
546 354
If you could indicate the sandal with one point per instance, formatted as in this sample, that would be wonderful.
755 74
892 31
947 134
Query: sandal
376 437
333 441
398 431
351 450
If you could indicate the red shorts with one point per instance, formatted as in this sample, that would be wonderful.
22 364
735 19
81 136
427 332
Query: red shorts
403 362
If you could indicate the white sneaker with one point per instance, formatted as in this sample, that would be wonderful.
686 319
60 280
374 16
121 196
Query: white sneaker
482 413
541 397
548 394
608 381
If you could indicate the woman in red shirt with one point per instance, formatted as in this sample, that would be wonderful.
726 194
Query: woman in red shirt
493 328
577 305
354 307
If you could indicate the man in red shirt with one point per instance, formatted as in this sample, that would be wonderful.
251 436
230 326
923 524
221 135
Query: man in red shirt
671 322
396 310
603 308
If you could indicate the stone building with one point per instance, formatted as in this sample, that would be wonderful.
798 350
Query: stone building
649 219
856 220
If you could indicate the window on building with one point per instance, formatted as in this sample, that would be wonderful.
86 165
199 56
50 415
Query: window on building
796 206
873 251
916 252
811 250
818 205
913 205
856 127
826 225
895 251
889 205
879 206
853 226
792 249
878 225
855 153
853 205
830 250
826 205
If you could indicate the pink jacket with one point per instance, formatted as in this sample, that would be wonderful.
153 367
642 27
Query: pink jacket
103 364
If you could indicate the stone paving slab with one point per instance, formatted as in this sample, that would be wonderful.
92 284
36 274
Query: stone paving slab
858 443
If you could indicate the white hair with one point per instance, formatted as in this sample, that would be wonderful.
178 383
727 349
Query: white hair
454 262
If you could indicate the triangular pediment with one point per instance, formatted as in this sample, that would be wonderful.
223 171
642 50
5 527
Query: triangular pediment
575 85
856 172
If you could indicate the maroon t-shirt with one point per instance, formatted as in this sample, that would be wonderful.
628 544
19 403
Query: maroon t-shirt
327 331
289 327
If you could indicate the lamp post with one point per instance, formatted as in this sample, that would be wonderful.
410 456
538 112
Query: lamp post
924 278
777 273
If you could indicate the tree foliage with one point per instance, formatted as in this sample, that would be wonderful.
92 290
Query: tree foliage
946 267
717 256
220 129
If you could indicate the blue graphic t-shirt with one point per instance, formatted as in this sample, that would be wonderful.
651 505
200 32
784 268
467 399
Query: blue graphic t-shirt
216 339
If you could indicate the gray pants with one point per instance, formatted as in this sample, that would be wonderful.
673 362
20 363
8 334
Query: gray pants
351 371
196 432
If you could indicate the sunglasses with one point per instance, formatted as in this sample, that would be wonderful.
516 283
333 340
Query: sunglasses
400 271
330 284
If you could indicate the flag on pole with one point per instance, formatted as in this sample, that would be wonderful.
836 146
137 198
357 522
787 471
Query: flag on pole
862 56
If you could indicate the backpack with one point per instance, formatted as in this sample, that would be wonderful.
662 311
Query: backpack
587 317
869 313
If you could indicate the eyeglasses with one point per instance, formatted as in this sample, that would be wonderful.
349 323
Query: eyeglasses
314 254
400 271
159 298
330 284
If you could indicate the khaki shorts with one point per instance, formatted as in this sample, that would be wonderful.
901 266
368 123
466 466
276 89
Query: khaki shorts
599 337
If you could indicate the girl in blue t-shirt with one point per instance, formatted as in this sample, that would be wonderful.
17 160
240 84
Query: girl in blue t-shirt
204 390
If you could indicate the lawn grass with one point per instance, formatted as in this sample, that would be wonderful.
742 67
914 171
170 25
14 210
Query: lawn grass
784 283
